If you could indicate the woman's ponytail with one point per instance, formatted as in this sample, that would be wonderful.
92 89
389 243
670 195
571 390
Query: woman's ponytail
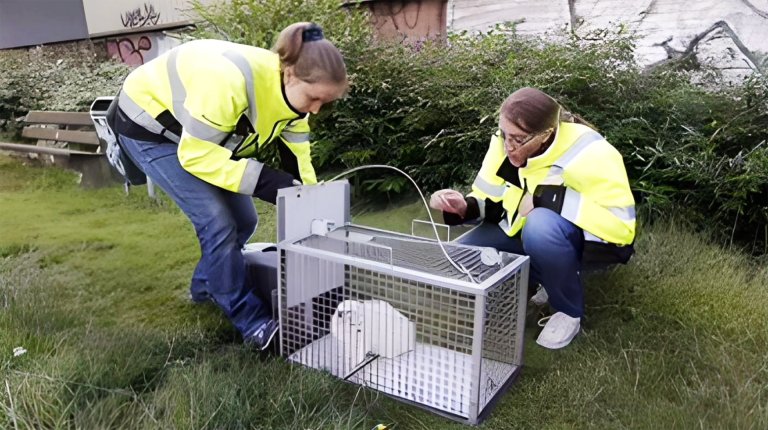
314 59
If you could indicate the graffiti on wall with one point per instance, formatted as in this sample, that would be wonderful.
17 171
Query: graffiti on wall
128 52
409 18
137 49
395 12
140 18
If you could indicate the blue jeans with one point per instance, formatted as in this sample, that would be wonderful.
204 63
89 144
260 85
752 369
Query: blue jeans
224 222
555 246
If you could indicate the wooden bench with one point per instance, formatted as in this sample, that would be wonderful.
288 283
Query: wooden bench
70 139
72 133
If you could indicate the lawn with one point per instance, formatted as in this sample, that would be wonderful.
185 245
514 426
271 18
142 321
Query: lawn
94 285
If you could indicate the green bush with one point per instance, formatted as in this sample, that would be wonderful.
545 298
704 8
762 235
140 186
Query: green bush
430 108
258 23
65 77
14 93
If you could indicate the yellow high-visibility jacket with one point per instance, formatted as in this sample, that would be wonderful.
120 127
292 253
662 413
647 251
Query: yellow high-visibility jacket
580 176
229 101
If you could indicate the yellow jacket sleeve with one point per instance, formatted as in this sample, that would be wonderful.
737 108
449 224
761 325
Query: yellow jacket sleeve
598 198
213 164
487 184
208 114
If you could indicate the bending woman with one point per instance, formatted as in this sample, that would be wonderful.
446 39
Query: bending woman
194 121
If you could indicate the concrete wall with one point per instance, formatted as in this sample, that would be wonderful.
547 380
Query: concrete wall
35 22
413 19
110 17
135 50
732 34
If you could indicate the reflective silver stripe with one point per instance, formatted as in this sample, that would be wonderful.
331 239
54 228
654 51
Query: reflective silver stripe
142 118
292 137
558 167
571 205
626 214
245 68
504 224
481 206
592 238
554 177
191 125
581 144
233 142
250 177
488 188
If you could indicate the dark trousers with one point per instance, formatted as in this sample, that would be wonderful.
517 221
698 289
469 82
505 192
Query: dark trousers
224 222
555 247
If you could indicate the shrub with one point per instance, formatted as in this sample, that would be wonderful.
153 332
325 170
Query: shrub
692 142
258 23
64 77
430 108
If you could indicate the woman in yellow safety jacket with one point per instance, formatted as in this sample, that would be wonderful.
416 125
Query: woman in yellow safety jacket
554 189
195 119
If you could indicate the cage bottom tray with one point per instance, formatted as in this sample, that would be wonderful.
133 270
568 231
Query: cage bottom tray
429 375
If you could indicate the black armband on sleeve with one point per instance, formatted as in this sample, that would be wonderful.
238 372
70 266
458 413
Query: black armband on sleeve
550 197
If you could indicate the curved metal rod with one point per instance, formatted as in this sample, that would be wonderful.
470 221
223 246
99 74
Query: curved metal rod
458 266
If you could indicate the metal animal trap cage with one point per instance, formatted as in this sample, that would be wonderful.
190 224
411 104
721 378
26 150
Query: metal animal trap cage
390 312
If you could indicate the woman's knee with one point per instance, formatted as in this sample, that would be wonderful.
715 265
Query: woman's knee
217 228
246 227
545 229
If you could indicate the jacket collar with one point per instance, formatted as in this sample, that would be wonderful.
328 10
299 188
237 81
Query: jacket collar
557 148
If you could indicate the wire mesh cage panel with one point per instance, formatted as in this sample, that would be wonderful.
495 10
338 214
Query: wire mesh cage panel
388 311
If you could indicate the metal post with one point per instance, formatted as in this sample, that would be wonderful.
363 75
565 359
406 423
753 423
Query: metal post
475 408
522 309
151 188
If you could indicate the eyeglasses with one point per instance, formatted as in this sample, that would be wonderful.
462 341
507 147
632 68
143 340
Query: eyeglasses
519 141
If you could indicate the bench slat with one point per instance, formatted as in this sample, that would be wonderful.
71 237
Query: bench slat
63 118
40 149
84 137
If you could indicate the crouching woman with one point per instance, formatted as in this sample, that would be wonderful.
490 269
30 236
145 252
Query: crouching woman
554 189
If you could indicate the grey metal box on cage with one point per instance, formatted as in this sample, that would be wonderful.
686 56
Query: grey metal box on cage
390 312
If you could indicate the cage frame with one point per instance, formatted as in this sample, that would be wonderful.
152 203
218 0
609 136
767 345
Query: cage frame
477 412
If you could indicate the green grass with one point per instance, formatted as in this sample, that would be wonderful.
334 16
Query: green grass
94 283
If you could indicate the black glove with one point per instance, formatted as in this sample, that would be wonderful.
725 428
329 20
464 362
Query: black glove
473 213
271 180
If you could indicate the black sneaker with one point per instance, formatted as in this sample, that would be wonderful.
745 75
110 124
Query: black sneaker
264 335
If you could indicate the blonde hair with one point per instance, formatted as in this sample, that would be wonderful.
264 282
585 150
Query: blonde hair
313 58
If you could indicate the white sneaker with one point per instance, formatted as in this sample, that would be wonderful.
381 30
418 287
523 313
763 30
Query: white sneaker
558 331
541 297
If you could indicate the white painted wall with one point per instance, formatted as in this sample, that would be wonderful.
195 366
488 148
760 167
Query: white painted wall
111 17
732 34
137 49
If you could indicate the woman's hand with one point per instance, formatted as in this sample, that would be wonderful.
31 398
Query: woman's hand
449 201
526 205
